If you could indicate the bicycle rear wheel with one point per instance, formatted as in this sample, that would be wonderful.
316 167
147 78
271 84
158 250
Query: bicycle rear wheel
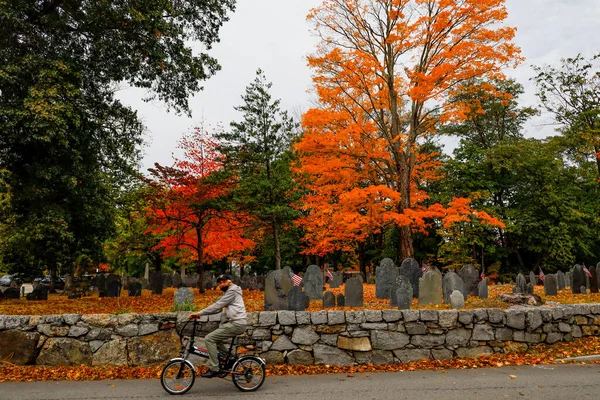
248 374
177 377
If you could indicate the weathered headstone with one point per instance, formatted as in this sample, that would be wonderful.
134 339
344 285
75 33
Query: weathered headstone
134 289
578 278
100 284
338 279
353 292
147 272
113 286
189 281
530 288
482 288
470 277
403 283
386 274
532 278
145 284
313 282
277 286
183 299
583 290
341 300
167 281
560 280
410 268
176 280
451 282
328 300
568 279
296 298
457 300
245 282
156 282
520 285
260 282
430 288
209 282
593 280
39 293
68 282
550 285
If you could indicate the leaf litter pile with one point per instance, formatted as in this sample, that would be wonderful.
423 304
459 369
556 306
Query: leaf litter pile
540 354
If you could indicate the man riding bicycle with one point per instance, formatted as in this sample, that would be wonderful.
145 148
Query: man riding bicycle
233 321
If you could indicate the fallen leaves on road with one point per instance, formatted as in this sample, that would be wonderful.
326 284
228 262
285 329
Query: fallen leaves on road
541 354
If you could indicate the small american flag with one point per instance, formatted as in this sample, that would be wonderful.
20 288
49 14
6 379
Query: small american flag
328 274
587 271
296 279
542 275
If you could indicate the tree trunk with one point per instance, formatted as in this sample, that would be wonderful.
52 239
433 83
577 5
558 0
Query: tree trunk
276 244
200 262
52 288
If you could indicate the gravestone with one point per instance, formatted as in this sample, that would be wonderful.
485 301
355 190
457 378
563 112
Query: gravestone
190 281
520 285
113 286
560 280
457 300
167 281
410 268
145 284
313 282
353 292
593 280
470 277
245 282
341 300
532 278
568 279
451 282
277 286
530 288
386 273
183 299
209 282
430 288
134 289
578 278
260 282
12 293
156 282
176 280
328 300
404 302
583 290
402 282
147 272
338 279
482 288
39 293
100 284
550 285
296 299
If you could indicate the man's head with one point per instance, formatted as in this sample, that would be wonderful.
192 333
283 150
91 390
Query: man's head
224 281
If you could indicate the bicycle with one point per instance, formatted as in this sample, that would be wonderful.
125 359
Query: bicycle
248 371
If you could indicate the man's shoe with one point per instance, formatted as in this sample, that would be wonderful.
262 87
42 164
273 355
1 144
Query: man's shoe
210 374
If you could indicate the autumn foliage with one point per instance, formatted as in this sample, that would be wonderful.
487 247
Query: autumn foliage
187 209
383 73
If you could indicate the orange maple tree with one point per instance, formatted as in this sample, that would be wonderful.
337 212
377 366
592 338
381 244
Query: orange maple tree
188 209
383 73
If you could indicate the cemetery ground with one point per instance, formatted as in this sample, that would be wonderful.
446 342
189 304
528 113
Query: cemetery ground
254 300
148 303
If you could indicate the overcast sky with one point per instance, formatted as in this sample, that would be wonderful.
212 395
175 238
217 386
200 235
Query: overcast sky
274 35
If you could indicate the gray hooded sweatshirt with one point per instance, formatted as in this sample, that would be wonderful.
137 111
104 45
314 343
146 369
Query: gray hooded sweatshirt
232 305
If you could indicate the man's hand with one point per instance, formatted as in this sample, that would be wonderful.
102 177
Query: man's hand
194 316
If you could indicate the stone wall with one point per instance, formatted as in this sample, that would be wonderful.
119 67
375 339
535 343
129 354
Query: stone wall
323 337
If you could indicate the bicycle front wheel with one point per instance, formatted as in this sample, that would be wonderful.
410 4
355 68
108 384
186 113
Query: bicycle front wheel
177 377
248 374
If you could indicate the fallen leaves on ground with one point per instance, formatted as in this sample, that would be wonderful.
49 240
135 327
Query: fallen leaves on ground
540 354
254 300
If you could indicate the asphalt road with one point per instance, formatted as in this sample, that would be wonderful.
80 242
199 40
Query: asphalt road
538 382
